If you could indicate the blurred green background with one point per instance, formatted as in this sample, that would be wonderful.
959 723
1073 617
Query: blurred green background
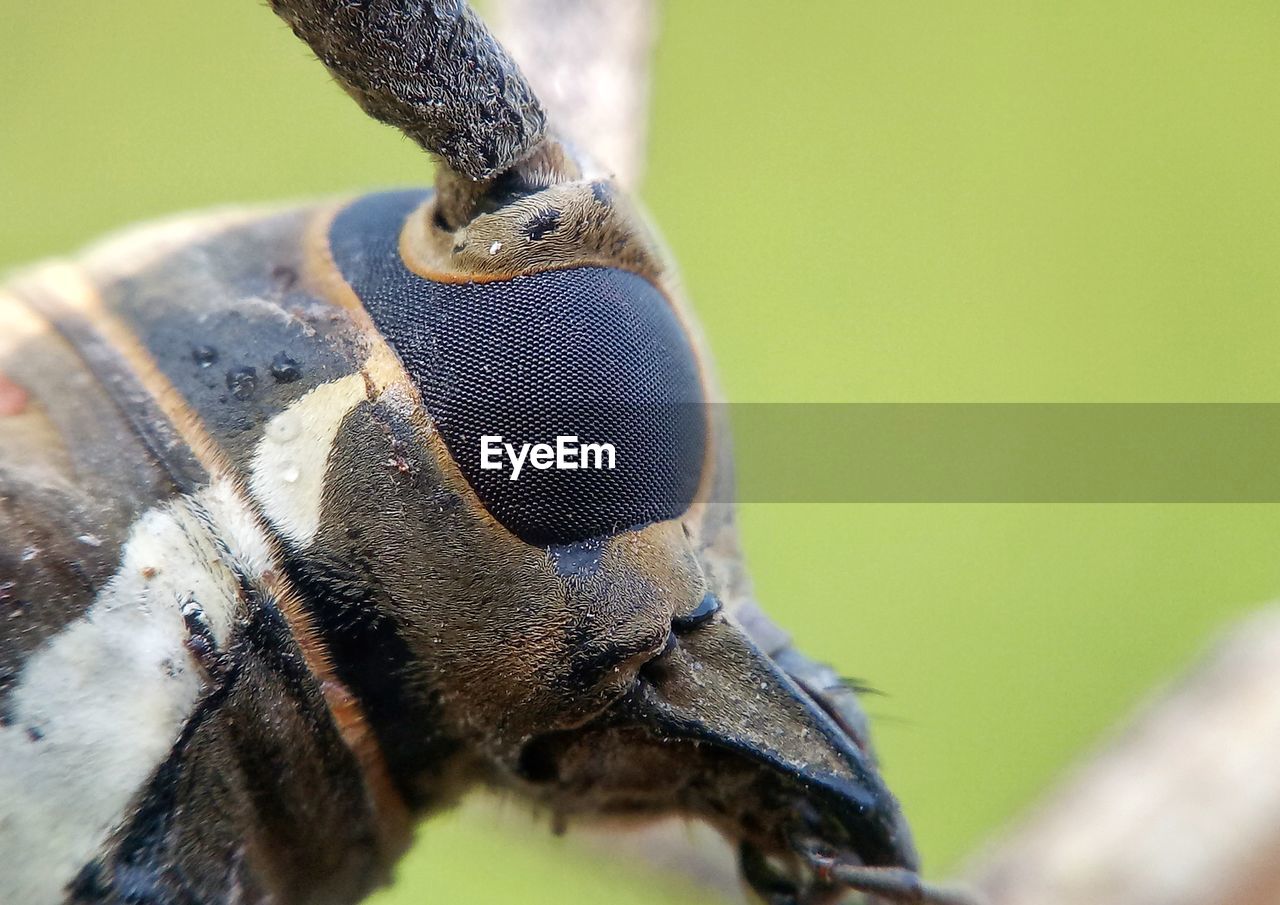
871 201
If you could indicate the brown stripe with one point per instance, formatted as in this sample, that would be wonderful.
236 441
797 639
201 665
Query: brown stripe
320 273
157 411
394 822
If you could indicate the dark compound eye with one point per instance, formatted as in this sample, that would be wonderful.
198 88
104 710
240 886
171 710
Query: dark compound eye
588 368
699 615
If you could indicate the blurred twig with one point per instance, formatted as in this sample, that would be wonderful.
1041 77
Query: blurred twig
588 61
1182 808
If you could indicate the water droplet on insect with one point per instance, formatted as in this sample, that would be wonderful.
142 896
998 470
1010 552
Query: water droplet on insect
290 474
284 369
204 356
91 540
242 382
495 248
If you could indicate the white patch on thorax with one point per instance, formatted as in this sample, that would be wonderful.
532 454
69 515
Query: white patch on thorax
288 469
100 705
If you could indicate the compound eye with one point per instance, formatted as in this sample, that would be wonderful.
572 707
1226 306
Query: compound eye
590 365
700 615
571 400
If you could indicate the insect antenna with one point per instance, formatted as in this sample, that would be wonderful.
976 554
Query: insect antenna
431 69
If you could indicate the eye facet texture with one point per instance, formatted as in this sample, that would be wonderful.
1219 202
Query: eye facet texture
591 353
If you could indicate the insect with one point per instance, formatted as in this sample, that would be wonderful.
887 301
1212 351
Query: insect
263 604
